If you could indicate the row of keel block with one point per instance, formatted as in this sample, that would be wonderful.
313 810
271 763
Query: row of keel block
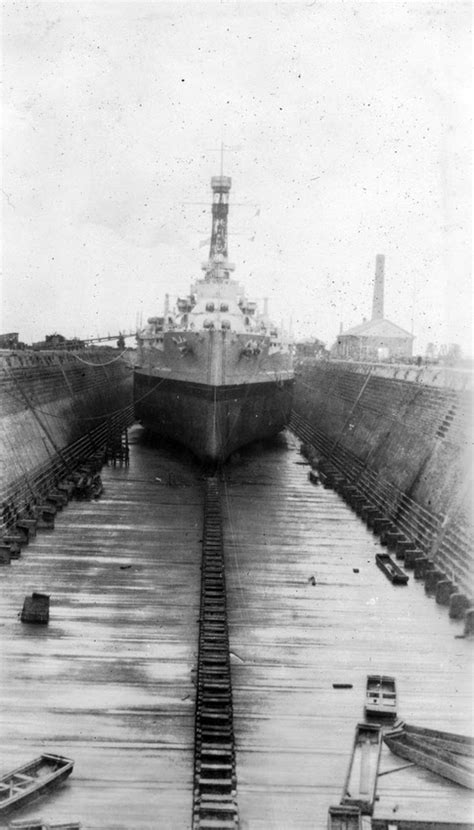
41 514
215 783
437 583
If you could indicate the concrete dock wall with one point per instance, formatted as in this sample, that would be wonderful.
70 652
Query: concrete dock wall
406 432
54 406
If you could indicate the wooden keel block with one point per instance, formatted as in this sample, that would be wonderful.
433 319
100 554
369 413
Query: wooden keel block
46 522
14 543
349 492
29 525
410 556
402 546
305 450
420 567
66 487
11 537
469 622
458 604
389 535
374 517
444 589
379 525
57 498
357 503
5 555
432 577
23 534
42 509
367 511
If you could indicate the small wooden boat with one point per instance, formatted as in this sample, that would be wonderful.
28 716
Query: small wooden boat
361 779
446 754
27 782
344 817
391 569
39 824
381 696
408 824
460 744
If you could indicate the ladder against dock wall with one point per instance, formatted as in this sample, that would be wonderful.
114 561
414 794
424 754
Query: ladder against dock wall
117 450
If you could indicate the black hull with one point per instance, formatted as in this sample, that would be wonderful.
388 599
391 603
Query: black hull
212 421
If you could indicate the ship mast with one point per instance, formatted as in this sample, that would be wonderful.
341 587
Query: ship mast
218 266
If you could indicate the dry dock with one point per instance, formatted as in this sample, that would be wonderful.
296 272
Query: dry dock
110 681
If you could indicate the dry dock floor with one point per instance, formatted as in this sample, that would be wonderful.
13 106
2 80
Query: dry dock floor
109 682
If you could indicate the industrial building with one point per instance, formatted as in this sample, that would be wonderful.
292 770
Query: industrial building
376 339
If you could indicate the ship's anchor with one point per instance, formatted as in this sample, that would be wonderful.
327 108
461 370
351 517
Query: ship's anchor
251 348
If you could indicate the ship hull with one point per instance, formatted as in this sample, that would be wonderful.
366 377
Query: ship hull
213 421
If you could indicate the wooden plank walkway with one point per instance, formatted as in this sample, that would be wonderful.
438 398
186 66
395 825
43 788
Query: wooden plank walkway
110 681
292 640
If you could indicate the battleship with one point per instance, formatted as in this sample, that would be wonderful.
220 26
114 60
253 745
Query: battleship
214 373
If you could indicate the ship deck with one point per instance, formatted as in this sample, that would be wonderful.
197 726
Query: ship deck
109 682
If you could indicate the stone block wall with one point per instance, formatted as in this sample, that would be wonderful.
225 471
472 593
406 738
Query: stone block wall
408 434
51 402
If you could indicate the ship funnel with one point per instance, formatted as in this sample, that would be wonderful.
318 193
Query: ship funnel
377 304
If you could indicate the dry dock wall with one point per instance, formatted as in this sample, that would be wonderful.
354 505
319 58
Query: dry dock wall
404 435
55 407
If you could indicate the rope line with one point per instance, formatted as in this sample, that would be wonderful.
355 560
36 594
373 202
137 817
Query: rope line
107 363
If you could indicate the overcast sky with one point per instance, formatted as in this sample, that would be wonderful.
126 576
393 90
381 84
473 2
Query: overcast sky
349 123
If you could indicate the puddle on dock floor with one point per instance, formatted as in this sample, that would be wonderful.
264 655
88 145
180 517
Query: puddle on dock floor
109 681
308 608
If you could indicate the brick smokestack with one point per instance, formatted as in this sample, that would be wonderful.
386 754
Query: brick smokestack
377 305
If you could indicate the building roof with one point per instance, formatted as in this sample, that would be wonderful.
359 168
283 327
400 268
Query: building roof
377 328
